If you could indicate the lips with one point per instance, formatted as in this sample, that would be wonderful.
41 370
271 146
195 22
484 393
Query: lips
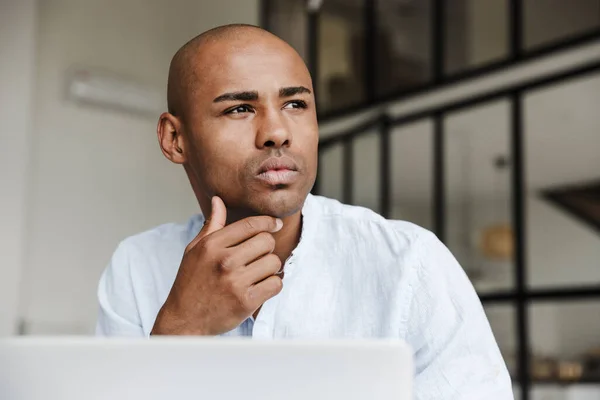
277 164
278 171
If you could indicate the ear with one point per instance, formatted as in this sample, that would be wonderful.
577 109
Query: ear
170 138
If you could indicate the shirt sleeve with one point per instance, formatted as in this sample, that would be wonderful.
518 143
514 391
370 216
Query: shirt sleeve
118 313
456 354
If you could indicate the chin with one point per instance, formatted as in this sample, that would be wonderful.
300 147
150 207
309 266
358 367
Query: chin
279 203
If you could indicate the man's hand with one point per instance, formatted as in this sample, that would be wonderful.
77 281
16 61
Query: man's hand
226 274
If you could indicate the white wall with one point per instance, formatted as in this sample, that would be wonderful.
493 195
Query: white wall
17 66
98 175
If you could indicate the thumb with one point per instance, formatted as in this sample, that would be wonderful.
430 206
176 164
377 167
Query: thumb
216 221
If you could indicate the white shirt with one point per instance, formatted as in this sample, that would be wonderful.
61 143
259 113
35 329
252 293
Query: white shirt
354 274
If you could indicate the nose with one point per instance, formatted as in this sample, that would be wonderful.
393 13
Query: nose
273 131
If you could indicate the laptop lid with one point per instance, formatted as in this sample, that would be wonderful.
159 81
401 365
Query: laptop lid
203 368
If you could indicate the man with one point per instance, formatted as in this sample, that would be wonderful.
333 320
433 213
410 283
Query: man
272 261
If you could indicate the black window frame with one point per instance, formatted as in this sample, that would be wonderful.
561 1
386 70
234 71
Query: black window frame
439 78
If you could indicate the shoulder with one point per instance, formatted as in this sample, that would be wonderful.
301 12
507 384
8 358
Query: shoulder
140 273
360 224
154 253
163 237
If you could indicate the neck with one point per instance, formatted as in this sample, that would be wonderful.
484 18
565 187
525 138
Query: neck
288 237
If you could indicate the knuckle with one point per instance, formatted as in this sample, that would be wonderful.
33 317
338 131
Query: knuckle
273 261
275 285
267 239
246 301
250 223
205 245
192 245
262 223
226 262
231 285
278 284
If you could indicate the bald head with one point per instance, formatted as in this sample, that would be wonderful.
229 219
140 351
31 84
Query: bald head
193 59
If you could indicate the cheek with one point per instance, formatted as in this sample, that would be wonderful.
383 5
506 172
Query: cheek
308 144
222 164
219 162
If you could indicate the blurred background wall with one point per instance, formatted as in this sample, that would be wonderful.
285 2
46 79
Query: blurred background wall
17 71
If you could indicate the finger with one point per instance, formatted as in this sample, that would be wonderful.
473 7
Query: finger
251 249
261 269
216 221
264 290
246 228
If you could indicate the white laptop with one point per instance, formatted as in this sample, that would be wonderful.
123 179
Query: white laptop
203 368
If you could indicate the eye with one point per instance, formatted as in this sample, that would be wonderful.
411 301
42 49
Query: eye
295 104
244 108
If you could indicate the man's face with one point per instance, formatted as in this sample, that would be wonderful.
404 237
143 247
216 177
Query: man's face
251 127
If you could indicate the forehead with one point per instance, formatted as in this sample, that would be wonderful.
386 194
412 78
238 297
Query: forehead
262 66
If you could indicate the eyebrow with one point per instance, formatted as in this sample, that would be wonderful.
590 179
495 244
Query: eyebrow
237 96
292 91
253 95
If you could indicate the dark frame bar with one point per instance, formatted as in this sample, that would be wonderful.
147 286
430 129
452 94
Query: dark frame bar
519 226
576 293
370 74
313 48
515 31
439 180
316 189
564 294
264 20
438 44
385 166
348 172
497 297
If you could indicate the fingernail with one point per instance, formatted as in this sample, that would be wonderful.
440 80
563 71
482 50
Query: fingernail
278 225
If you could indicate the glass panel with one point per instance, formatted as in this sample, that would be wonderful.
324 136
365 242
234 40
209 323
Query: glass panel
402 45
331 174
565 341
547 21
478 194
341 52
366 171
562 158
288 19
477 33
412 173
502 321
